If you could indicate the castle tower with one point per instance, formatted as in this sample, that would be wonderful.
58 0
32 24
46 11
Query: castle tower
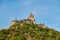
31 17
14 21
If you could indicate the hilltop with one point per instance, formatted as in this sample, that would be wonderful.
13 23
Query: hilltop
28 29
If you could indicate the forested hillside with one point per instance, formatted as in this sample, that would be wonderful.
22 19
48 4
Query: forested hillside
28 32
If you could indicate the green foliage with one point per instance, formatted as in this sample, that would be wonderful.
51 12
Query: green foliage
29 32
19 37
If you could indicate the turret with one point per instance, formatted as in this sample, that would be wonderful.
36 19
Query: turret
14 21
31 17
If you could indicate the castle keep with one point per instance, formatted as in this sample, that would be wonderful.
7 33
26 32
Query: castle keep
29 20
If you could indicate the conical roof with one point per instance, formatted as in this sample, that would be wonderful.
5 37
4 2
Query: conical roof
31 16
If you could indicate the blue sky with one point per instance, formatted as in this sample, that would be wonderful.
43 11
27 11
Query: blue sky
45 11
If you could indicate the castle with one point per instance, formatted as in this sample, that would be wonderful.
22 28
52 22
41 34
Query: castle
29 20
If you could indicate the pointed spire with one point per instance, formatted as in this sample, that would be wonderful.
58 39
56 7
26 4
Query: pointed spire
15 18
31 14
